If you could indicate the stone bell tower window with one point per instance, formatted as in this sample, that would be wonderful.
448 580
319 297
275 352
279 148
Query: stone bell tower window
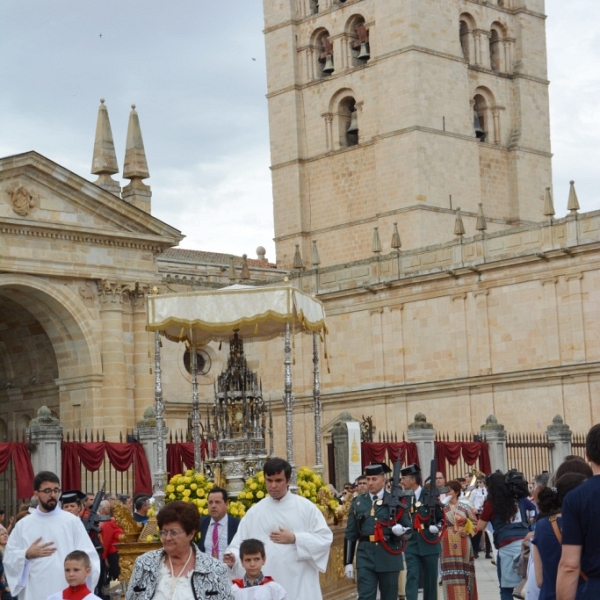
464 39
348 122
360 49
495 51
324 53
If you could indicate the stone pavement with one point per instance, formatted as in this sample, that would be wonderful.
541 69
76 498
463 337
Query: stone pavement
487 581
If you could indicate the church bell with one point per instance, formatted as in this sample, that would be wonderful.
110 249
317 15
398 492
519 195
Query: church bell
479 132
328 68
365 53
353 123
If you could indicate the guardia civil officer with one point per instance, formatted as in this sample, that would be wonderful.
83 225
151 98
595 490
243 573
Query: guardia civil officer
423 548
380 543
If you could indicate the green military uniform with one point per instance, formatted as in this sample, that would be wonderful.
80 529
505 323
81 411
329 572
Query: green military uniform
420 554
375 565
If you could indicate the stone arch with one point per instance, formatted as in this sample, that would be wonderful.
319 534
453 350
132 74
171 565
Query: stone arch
71 369
484 104
319 44
358 51
497 41
467 25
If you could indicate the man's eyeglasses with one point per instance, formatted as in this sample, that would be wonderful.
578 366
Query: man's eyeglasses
48 491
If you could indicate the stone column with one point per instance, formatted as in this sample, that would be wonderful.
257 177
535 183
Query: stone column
143 378
45 433
560 435
422 434
148 437
495 436
115 413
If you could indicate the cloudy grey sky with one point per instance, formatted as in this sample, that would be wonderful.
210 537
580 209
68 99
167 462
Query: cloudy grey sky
195 69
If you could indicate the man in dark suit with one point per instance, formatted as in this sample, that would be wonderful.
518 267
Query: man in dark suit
217 528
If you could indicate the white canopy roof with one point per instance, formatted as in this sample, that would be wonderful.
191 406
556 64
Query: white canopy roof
257 312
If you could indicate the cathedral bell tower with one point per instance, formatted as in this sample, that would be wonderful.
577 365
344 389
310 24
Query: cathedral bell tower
384 111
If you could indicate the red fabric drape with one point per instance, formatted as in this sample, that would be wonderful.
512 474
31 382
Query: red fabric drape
388 452
91 455
19 452
470 451
180 456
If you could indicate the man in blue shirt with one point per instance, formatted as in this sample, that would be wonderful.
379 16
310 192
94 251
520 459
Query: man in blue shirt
581 531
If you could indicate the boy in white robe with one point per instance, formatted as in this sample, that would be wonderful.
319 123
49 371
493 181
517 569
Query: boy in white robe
77 570
296 536
255 585
37 547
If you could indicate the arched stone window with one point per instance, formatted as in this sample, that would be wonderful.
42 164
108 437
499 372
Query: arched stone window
496 51
314 7
323 52
357 38
486 116
467 41
464 40
342 120
347 117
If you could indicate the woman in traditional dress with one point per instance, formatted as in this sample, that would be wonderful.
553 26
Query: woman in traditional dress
179 571
458 566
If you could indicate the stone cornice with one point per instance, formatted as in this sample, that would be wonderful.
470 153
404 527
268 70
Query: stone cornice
82 235
385 393
405 131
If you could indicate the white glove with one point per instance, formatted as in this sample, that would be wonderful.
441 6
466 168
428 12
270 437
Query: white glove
349 571
434 529
398 530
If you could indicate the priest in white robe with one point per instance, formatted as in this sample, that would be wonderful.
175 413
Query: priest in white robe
296 536
37 547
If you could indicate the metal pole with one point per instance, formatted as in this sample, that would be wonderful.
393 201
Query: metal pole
288 402
159 407
317 405
195 411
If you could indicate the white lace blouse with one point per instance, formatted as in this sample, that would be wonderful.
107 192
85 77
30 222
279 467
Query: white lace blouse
173 588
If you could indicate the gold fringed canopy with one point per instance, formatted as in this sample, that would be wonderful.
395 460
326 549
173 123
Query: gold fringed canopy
257 312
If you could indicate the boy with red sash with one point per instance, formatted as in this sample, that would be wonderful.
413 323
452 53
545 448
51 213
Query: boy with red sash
77 569
255 585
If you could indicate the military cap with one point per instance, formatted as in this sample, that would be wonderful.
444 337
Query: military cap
410 470
377 469
71 496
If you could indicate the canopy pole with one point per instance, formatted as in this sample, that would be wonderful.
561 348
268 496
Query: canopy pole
288 402
317 406
195 411
159 407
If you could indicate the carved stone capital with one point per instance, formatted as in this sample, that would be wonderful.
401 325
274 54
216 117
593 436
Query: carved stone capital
112 293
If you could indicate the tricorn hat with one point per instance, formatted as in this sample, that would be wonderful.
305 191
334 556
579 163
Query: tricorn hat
377 469
411 470
72 496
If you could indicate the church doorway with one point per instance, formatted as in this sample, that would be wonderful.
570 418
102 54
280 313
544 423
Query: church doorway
48 354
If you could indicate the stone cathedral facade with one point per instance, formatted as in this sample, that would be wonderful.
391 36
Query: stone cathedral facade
385 117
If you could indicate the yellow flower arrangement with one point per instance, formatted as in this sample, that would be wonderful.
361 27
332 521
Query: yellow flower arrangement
194 487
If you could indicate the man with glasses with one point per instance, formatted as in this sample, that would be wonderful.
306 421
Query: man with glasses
36 550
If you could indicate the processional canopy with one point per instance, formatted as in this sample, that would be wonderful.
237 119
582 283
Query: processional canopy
255 312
